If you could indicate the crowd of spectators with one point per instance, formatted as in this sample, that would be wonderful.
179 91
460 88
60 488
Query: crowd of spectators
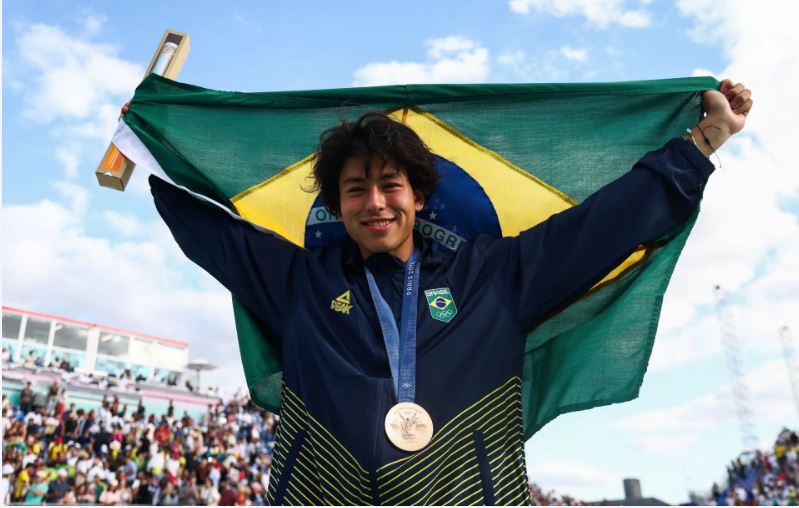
122 379
33 360
762 478
54 453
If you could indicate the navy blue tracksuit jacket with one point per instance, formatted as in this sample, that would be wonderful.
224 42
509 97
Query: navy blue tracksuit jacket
331 446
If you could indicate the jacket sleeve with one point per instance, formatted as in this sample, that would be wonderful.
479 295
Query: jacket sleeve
554 263
255 266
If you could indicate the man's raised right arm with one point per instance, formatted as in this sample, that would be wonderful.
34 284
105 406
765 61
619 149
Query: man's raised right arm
255 266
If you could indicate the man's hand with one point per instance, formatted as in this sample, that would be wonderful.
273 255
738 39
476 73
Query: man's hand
726 111
731 104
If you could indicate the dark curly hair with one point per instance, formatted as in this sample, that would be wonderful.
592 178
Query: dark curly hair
372 134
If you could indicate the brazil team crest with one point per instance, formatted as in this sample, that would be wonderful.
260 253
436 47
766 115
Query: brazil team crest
441 305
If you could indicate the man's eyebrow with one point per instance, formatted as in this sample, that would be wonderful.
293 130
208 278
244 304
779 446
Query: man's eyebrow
383 177
389 175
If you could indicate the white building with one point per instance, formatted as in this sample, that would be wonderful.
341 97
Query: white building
90 347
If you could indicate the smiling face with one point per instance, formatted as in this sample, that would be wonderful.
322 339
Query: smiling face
378 207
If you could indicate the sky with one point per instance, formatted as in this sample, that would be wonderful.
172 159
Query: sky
73 249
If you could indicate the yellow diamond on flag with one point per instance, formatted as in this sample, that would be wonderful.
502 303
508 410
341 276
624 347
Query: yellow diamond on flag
514 199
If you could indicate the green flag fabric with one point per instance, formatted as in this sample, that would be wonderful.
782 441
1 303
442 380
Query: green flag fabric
526 151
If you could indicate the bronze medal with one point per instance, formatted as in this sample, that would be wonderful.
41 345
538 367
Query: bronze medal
409 427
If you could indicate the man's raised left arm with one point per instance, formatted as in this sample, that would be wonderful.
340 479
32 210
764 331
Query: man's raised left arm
554 263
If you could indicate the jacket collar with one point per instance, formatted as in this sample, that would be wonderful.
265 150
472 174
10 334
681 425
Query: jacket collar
433 255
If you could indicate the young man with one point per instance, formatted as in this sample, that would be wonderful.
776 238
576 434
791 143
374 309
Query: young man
390 398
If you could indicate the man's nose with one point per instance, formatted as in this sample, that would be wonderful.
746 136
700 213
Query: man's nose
375 200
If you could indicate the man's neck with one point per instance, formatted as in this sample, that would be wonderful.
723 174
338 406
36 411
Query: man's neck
403 252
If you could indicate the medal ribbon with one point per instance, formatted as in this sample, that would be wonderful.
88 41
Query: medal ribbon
400 342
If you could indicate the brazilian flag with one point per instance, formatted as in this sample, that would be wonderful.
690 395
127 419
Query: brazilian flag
510 155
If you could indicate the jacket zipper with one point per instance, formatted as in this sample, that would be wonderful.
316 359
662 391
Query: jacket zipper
484 467
377 429
288 466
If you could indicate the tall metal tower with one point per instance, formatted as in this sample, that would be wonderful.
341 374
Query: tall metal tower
740 392
791 362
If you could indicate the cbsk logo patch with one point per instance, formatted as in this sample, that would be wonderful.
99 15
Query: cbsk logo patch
441 304
341 303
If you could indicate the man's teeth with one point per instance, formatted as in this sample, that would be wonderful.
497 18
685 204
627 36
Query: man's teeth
378 222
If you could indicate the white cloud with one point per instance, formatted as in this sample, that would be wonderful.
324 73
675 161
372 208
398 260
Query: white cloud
93 24
563 477
512 59
770 401
601 13
447 46
75 86
696 340
74 77
703 72
77 196
660 443
127 226
743 239
755 43
452 59
759 309
576 54
51 264
563 64
69 158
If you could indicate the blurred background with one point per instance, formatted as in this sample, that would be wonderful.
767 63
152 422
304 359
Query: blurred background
111 336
